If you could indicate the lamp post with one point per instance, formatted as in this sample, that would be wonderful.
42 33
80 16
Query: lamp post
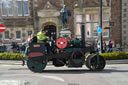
101 43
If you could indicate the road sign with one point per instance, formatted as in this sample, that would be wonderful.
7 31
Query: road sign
99 30
2 28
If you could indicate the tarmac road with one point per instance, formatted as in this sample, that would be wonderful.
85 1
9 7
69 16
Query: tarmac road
15 74
19 62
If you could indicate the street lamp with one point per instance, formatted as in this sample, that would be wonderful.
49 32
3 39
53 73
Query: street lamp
100 35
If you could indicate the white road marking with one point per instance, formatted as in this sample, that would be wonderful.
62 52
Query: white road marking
44 76
13 82
6 65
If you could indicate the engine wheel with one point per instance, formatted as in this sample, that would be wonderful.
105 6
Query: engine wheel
77 58
36 66
93 64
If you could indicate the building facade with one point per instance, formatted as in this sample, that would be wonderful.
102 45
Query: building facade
23 17
18 19
124 20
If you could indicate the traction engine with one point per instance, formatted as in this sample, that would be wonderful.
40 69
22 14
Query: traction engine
63 53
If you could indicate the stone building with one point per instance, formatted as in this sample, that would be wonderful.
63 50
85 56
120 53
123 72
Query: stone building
23 17
17 15
124 26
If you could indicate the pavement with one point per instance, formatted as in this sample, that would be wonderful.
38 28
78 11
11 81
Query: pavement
19 62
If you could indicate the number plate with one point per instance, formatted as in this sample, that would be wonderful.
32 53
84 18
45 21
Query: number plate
36 45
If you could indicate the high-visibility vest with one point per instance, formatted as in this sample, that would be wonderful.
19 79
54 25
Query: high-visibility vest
41 37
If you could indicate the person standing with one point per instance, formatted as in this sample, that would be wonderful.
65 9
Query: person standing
98 46
109 47
2 48
22 48
104 46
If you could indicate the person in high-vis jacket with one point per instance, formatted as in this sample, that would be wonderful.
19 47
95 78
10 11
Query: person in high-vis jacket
41 37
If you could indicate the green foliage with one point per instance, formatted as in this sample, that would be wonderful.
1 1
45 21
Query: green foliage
107 56
115 55
11 56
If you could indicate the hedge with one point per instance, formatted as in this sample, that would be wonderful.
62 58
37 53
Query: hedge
115 55
107 56
11 56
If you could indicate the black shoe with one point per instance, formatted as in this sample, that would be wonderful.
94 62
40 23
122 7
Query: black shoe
23 62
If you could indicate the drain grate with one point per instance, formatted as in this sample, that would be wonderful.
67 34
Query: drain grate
73 84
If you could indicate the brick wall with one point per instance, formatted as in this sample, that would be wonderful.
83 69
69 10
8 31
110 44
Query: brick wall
116 19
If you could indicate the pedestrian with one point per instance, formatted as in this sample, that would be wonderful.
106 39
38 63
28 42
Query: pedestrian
104 46
22 48
2 48
14 46
98 46
29 38
109 47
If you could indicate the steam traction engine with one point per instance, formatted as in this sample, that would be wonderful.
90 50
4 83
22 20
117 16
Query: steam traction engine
63 53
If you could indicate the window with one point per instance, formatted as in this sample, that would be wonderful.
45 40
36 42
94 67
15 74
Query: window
10 8
88 18
23 7
20 10
91 24
95 17
125 4
26 8
78 31
7 7
92 21
78 25
88 30
7 35
4 7
105 32
18 35
95 25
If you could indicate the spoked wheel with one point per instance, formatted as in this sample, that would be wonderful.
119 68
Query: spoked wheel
77 58
93 64
36 66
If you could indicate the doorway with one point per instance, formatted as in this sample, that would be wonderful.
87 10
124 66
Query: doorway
51 31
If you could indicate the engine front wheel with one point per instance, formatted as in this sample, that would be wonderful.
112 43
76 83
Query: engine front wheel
95 62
